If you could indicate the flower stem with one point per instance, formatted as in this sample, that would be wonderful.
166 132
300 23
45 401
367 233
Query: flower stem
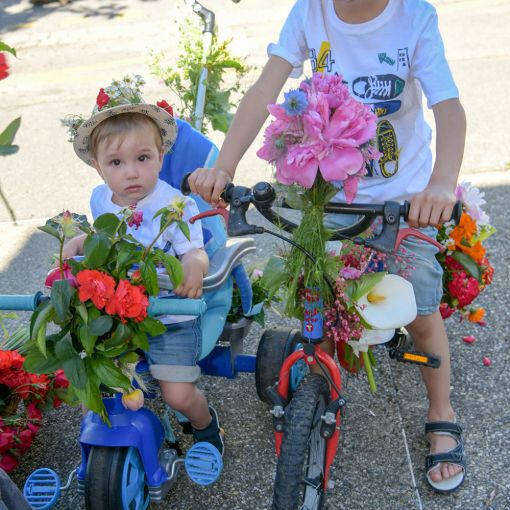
368 370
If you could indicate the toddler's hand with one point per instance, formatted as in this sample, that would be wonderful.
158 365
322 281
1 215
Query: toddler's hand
209 183
191 286
432 206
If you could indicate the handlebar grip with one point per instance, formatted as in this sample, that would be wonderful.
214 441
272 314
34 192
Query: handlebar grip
169 306
21 302
456 212
185 189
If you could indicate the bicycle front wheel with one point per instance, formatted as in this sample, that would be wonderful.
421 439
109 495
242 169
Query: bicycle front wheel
301 466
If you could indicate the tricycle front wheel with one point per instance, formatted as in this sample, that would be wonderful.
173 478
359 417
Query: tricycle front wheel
115 480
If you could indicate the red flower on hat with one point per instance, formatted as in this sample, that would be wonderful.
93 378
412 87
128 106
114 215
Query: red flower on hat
102 99
163 104
3 67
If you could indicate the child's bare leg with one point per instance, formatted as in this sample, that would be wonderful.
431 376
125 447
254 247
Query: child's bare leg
429 335
188 400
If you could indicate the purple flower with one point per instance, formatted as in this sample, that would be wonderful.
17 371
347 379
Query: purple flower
350 273
136 219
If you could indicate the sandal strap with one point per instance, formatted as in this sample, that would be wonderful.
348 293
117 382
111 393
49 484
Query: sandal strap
447 427
453 456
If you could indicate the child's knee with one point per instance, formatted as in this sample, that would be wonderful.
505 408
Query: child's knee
180 396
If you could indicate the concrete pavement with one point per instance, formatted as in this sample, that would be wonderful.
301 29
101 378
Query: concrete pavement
67 53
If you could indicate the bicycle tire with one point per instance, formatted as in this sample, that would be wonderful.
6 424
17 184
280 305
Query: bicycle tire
275 345
109 471
301 465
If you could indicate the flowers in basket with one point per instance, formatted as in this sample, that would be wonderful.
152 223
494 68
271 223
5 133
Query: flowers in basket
23 398
100 305
320 142
467 270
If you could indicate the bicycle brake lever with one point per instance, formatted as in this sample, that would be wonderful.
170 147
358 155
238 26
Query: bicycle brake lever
412 232
212 212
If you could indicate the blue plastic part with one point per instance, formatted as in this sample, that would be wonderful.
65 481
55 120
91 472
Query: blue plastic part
245 289
174 306
298 371
245 363
203 463
140 429
42 489
218 363
27 302
134 482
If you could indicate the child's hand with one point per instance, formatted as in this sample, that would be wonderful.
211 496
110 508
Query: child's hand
191 286
209 183
195 264
432 206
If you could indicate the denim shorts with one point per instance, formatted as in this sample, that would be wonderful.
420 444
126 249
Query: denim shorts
415 261
173 355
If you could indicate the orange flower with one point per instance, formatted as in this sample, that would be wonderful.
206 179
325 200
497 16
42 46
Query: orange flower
476 315
476 252
464 230
97 286
129 302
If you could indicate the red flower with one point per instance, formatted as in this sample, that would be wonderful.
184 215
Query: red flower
33 412
6 441
136 219
102 99
10 359
130 302
163 104
488 273
95 285
26 436
3 67
8 463
60 380
464 288
445 310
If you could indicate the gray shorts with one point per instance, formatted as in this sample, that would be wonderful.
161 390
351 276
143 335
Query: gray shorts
415 261
173 356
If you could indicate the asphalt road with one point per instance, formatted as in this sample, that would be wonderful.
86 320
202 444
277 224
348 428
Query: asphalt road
67 53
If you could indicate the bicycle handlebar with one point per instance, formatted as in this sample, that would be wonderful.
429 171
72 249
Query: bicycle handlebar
263 197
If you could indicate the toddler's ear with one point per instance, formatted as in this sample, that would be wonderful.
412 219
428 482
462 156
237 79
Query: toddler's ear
161 156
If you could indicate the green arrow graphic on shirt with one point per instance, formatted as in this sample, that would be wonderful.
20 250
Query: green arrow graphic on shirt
384 58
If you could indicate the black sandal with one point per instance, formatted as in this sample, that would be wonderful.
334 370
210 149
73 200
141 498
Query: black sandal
454 456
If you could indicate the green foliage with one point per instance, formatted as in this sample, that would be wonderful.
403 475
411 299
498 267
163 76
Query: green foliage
183 78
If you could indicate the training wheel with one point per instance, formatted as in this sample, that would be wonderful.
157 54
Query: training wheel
203 463
42 489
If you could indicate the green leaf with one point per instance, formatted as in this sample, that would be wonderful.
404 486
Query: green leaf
101 325
364 284
120 335
6 47
61 295
149 277
275 275
296 199
82 312
51 230
74 369
7 150
107 223
184 228
173 268
91 397
468 264
87 339
114 352
36 363
39 321
220 122
64 348
152 326
8 134
109 373
126 257
96 249
140 340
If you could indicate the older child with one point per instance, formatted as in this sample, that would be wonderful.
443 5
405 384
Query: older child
388 51
125 140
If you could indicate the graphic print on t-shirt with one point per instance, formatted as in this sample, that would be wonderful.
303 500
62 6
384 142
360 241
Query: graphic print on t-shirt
382 108
403 59
378 87
322 62
384 58
387 145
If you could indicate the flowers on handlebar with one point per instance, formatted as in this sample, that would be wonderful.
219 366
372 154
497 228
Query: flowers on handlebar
467 269
99 304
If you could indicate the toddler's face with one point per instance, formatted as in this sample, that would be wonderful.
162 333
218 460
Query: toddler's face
129 163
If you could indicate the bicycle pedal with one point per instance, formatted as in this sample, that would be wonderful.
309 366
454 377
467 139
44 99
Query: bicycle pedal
416 358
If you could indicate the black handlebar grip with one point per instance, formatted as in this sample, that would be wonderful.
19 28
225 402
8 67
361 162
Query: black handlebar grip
185 189
456 212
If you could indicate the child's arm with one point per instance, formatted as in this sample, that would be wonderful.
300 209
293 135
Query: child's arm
195 264
249 118
74 247
434 205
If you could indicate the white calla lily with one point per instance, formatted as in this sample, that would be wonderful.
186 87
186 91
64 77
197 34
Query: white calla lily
371 337
390 304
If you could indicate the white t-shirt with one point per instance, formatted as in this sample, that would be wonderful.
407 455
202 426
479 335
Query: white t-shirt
172 240
162 195
386 62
